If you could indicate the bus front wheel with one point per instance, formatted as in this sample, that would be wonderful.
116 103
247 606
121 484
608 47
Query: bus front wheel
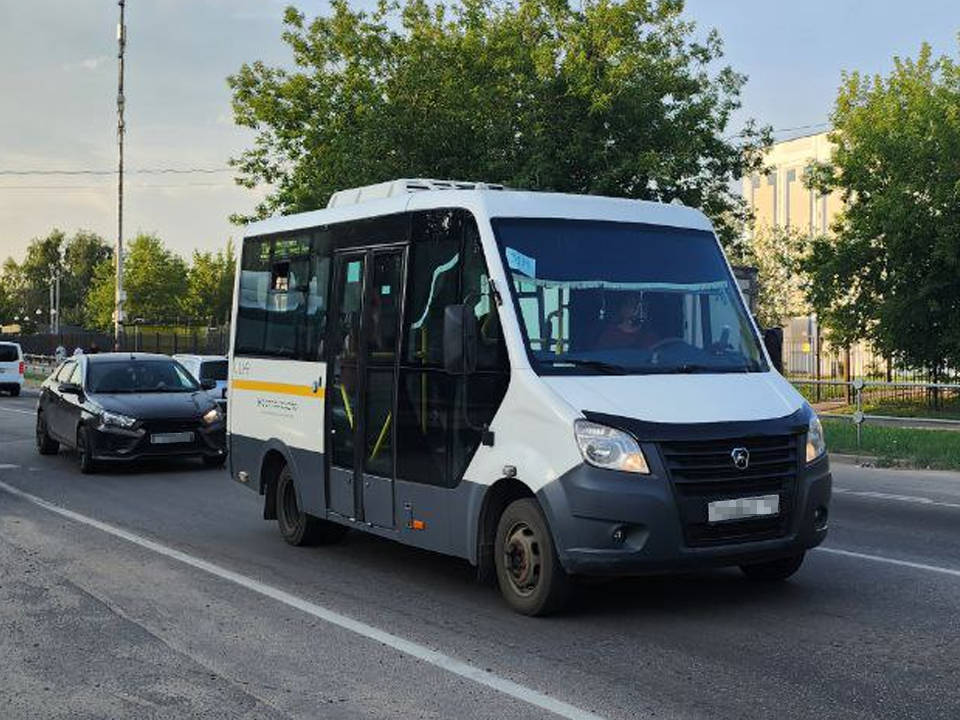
531 578
296 526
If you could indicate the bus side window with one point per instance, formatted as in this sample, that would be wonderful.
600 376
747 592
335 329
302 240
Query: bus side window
252 304
432 285
425 391
287 297
440 416
478 395
318 290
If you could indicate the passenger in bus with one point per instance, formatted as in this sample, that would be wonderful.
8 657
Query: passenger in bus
627 329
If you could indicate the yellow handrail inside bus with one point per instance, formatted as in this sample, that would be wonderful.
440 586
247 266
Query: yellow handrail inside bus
346 405
381 437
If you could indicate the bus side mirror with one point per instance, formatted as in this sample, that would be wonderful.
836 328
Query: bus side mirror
773 341
459 340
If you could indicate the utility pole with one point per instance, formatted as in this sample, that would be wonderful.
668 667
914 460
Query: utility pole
120 297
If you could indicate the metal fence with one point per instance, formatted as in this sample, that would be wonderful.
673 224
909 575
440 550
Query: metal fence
167 340
908 404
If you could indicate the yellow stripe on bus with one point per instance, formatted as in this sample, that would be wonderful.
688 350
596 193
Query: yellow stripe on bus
278 388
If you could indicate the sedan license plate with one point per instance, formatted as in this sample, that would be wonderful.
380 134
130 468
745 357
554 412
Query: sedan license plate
171 438
741 508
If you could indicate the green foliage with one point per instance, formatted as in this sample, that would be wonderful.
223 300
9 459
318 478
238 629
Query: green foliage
611 97
777 253
210 286
155 281
81 256
26 285
892 273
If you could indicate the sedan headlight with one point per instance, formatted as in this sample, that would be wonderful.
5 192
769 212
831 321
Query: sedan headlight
212 416
111 419
609 448
816 444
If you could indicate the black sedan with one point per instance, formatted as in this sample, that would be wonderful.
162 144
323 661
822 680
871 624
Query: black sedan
128 406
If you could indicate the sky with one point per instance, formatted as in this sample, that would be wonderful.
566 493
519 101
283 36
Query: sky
58 79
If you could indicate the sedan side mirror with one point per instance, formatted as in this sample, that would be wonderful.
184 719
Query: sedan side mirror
69 388
208 384
773 341
459 340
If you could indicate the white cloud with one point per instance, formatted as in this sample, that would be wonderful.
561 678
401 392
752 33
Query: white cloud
87 64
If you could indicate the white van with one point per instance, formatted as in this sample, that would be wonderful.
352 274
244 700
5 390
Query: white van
545 385
11 368
208 367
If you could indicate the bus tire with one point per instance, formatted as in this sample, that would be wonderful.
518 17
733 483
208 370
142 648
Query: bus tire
297 527
531 578
773 570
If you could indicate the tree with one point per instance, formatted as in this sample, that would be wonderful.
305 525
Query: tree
28 284
210 286
777 253
612 97
82 254
155 281
891 274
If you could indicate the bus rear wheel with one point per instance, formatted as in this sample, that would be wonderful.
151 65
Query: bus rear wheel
297 527
531 579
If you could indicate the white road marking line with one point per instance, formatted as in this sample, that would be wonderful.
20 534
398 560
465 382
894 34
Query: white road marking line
889 561
901 498
408 647
22 412
7 466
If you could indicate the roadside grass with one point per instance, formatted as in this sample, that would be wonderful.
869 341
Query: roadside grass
935 449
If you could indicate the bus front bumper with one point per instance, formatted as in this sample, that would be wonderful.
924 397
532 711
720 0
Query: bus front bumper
607 523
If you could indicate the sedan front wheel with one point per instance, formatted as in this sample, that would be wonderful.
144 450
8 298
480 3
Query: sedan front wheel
46 445
85 451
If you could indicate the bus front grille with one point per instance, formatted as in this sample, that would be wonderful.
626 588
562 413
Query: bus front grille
702 471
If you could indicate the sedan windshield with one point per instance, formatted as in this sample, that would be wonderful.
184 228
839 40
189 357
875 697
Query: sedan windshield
599 297
139 376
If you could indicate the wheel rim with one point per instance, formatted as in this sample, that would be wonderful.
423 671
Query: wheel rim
289 512
41 431
522 558
82 447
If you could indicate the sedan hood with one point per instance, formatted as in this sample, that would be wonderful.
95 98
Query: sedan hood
687 398
157 406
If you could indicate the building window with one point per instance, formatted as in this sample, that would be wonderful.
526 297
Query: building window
791 180
772 184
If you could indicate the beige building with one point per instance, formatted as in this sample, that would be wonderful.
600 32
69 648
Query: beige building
780 198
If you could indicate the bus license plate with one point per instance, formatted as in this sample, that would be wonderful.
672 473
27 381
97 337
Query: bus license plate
171 438
740 508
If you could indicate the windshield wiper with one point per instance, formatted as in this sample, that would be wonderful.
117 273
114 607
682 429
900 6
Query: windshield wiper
598 365
695 368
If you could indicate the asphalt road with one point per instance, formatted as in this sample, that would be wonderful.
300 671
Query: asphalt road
202 611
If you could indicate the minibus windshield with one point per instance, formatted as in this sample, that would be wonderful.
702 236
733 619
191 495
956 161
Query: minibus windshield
597 297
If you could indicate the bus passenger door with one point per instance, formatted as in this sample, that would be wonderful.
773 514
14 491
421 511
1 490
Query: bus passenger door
362 383
344 384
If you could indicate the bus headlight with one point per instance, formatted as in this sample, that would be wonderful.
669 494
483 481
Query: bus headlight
816 444
609 448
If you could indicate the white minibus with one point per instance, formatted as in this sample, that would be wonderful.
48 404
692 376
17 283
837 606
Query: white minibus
546 385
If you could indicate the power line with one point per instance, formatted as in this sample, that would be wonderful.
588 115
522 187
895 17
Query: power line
779 131
141 171
110 187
